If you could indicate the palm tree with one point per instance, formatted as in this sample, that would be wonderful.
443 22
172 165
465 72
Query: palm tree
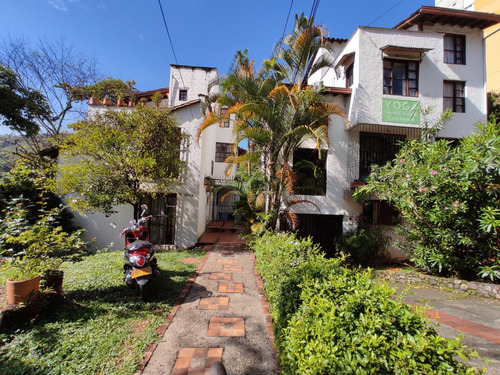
299 51
276 112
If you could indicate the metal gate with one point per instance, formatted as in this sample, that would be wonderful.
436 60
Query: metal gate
218 210
162 224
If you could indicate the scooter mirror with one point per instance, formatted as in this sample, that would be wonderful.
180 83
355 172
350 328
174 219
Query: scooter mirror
112 225
144 207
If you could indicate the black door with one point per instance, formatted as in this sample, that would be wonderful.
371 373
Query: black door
162 224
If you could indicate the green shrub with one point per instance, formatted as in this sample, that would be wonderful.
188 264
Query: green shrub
448 197
330 319
364 246
284 262
347 324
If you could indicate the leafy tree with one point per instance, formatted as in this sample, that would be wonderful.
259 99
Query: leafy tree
118 157
58 75
37 245
276 112
19 105
111 88
448 197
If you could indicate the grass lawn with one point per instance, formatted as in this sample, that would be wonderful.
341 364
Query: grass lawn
106 329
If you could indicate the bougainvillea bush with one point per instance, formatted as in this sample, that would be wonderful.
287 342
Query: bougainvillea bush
448 196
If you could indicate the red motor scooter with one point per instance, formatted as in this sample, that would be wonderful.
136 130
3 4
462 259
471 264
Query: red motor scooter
141 266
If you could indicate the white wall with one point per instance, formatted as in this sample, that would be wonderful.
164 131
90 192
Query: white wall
98 230
333 203
368 75
193 79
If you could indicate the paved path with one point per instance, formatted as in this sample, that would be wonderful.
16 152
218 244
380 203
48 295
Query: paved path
222 316
220 319
457 313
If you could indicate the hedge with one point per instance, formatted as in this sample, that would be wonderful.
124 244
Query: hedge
331 319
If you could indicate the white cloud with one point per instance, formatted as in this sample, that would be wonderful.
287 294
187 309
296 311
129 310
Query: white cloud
61 4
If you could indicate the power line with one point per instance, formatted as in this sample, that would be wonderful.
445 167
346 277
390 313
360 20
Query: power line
287 18
170 40
168 33
383 14
314 9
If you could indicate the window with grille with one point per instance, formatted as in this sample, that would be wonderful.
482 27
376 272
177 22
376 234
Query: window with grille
376 148
224 123
183 95
454 96
222 151
401 77
454 49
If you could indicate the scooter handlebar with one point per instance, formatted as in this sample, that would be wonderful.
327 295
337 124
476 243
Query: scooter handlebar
136 224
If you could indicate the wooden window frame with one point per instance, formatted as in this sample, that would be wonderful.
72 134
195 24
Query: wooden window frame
223 151
224 123
388 78
458 98
455 55
183 95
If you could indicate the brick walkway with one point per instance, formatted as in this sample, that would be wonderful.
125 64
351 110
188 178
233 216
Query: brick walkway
222 317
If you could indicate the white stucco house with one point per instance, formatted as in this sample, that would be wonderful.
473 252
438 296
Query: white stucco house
179 218
435 59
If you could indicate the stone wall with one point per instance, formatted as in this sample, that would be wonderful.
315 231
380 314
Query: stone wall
471 287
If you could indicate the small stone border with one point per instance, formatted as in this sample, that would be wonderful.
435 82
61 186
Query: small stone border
471 287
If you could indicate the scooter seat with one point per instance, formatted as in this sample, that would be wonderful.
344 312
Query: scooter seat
137 245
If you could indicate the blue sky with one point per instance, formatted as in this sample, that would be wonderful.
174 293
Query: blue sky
129 40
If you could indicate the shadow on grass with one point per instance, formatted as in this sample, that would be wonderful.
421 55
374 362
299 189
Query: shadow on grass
163 289
14 366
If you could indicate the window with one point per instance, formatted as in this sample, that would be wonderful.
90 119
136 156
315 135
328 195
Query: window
222 151
183 95
454 49
225 122
454 96
310 171
349 75
401 77
376 148
380 213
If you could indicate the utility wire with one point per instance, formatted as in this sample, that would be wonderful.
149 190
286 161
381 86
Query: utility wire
287 18
383 14
314 9
170 40
312 14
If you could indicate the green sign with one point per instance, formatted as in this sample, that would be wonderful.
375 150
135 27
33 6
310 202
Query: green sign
401 111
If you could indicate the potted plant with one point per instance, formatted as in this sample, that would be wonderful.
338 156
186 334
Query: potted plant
144 102
93 95
157 98
106 100
37 246
119 100
23 280
131 100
